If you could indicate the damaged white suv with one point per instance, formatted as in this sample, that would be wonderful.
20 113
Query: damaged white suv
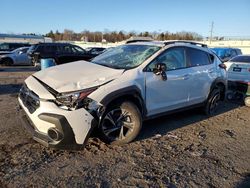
118 90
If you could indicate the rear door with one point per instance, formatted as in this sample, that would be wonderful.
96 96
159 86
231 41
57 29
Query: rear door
203 71
162 96
80 54
65 54
22 57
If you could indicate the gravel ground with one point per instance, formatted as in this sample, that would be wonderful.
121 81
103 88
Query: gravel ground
181 150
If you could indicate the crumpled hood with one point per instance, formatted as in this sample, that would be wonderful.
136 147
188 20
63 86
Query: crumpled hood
77 76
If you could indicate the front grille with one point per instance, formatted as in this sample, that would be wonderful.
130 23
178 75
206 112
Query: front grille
29 99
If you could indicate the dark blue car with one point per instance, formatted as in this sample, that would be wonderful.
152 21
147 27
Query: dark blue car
226 53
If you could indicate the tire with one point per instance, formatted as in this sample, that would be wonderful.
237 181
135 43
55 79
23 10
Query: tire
213 102
121 123
230 96
8 62
247 101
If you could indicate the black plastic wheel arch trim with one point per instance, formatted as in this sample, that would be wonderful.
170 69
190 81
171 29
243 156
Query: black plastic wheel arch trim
132 91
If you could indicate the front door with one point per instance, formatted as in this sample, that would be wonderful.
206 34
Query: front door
166 95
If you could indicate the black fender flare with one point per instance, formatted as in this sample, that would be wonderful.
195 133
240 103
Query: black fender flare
217 82
131 92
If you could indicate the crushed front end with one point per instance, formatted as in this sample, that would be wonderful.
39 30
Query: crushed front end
51 119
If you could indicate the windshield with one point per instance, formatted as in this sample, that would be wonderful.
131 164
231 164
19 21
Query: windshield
125 56
32 48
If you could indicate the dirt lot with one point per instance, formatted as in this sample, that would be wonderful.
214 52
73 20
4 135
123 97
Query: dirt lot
181 150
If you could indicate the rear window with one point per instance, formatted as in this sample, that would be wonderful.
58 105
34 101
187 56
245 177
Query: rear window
4 46
197 57
242 59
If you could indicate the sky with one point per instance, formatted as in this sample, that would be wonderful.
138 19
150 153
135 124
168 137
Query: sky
230 17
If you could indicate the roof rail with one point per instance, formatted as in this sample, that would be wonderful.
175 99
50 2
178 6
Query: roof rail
185 41
138 39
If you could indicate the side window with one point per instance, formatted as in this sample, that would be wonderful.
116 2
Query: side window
4 46
40 49
50 49
233 53
77 49
24 50
67 49
211 58
227 54
59 49
197 57
173 58
13 46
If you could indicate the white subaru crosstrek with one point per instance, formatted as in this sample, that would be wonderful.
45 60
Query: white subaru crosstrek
118 90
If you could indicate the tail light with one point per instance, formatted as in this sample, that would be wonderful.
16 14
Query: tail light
223 66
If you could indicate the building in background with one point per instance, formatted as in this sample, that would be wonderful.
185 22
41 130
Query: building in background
32 39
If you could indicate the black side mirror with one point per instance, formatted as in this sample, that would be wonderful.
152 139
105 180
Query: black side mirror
160 69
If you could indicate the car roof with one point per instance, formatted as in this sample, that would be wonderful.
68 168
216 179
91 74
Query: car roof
245 55
225 48
150 43
53 43
171 42
239 56
21 48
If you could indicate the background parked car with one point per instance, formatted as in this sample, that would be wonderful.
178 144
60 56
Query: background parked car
95 51
226 53
239 68
60 52
239 78
7 47
16 57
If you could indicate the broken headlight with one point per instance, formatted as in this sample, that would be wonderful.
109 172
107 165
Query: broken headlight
75 100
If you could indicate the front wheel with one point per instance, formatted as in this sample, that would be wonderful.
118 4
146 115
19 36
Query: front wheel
121 123
213 102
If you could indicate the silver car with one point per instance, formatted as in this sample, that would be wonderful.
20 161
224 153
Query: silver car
118 90
16 57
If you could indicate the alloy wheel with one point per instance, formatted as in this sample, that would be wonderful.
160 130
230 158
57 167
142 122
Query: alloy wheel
117 124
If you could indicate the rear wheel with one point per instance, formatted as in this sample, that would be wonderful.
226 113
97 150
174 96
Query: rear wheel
213 102
121 123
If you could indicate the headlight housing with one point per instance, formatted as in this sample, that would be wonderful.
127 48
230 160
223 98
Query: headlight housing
74 100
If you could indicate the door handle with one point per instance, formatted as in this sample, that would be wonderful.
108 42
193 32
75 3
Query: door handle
183 77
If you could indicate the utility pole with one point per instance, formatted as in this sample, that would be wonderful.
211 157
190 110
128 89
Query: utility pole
211 31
